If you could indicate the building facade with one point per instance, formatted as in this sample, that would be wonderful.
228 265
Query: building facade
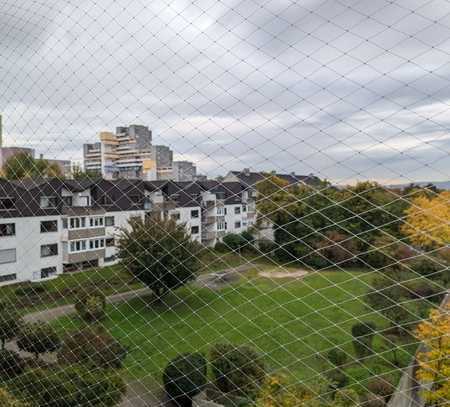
49 227
129 154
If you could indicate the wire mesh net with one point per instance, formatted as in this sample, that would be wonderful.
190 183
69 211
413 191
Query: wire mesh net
224 203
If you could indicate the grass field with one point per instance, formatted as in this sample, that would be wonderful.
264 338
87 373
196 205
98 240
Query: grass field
291 321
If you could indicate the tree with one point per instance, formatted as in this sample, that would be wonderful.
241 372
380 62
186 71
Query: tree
8 400
91 306
79 174
38 338
23 165
159 253
9 325
184 377
427 221
363 333
434 361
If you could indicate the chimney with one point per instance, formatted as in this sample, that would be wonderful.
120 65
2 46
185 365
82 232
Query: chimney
246 171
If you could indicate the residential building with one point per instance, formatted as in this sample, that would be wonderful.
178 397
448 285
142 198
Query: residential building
52 226
129 154
184 171
249 181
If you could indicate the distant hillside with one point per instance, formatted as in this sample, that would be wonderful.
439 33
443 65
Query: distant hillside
438 184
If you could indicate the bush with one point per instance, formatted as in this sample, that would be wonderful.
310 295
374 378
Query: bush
11 364
363 338
184 377
29 290
38 338
381 386
346 398
71 387
91 306
267 246
221 247
7 400
338 378
427 267
234 242
237 369
94 347
337 356
373 401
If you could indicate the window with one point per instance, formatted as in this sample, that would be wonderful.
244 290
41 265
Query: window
220 195
237 225
109 259
221 225
7 256
104 200
96 222
237 210
48 250
64 223
8 277
48 202
77 246
67 200
6 204
244 208
109 242
77 223
109 220
48 272
95 244
49 226
135 199
194 230
7 229
175 216
220 210
194 213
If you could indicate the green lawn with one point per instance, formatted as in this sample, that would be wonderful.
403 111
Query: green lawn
291 321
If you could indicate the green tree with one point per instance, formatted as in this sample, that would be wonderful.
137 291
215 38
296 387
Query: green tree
38 338
159 253
23 165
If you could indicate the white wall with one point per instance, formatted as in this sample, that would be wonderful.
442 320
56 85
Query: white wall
27 242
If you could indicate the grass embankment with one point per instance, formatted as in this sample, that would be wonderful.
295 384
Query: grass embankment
291 321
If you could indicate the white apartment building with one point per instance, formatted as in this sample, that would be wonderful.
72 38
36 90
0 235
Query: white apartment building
49 227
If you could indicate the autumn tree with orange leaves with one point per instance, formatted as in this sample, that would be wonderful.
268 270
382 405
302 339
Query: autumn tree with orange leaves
434 361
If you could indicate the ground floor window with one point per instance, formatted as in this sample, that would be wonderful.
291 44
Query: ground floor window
8 277
48 272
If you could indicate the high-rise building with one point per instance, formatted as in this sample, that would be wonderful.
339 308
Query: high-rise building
183 171
129 153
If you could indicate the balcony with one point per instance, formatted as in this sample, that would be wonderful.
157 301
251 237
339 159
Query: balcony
83 233
82 210
80 257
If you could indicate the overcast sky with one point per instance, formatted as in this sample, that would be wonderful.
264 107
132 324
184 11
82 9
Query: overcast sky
345 89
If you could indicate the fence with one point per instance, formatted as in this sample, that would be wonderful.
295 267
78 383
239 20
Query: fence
240 202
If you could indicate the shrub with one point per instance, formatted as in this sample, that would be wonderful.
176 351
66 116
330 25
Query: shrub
337 356
221 247
94 347
7 400
38 338
346 398
427 267
267 246
234 242
9 325
29 290
184 377
381 386
91 306
237 369
71 387
337 378
11 364
363 338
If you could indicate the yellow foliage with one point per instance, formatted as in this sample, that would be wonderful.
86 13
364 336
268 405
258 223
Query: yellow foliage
434 362
428 220
6 400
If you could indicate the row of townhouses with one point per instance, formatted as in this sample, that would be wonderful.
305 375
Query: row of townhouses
52 226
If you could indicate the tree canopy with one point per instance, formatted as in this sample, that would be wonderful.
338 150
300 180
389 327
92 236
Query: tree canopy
23 165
